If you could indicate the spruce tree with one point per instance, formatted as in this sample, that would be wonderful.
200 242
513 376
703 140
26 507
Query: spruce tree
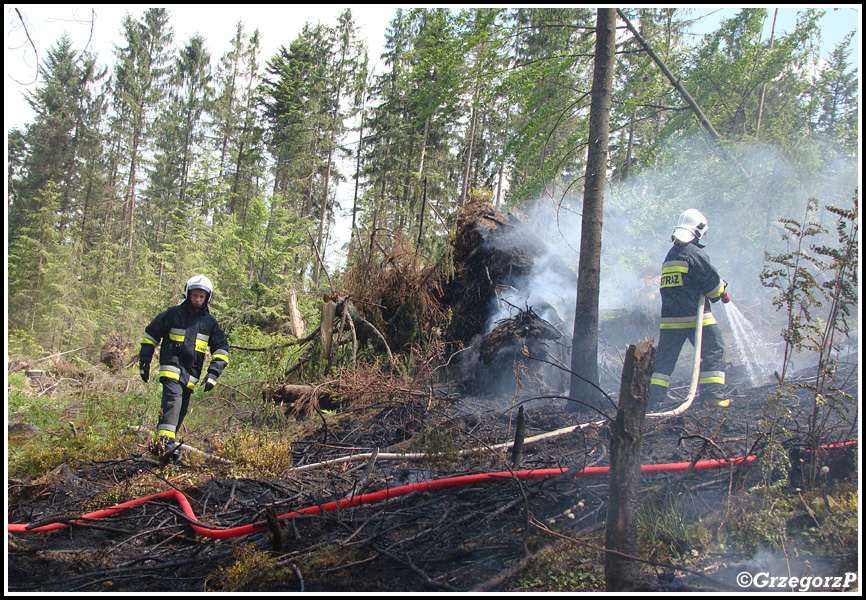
140 78
63 130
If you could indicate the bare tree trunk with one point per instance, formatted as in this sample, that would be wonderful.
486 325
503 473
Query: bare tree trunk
764 85
421 218
626 168
502 164
354 231
130 192
323 214
470 144
584 350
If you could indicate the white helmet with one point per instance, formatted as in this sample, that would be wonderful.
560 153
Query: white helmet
692 224
199 282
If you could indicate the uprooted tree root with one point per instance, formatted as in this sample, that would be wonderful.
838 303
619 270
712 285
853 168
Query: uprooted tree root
394 305
397 293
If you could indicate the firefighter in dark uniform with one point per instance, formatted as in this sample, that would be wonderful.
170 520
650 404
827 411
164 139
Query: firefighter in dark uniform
687 276
186 332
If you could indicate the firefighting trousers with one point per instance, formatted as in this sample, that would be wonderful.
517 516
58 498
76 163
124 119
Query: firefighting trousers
175 403
711 380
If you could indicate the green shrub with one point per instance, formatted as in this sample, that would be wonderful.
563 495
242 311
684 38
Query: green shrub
257 452
22 343
253 570
26 407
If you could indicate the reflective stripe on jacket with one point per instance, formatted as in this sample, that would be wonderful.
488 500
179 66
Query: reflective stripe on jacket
686 276
185 334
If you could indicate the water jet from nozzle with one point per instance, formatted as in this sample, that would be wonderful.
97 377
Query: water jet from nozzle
756 355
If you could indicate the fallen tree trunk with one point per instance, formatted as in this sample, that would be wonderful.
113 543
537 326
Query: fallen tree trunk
297 396
675 81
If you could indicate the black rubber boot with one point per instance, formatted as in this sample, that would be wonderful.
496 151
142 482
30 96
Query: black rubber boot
171 451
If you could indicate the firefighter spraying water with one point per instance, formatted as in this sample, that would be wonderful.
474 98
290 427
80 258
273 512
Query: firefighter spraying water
687 276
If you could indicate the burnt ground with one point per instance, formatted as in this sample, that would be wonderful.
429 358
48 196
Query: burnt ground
476 537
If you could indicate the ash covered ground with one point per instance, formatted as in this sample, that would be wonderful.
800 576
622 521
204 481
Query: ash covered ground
474 537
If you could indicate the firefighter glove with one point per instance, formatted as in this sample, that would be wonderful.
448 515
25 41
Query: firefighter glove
725 297
144 370
208 385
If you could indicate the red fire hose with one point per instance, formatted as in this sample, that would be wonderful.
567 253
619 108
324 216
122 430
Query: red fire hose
372 497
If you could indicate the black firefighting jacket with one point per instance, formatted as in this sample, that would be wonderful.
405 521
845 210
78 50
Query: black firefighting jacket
186 333
687 275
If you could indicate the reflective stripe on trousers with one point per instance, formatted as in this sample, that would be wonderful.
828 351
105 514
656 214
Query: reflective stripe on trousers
175 404
712 375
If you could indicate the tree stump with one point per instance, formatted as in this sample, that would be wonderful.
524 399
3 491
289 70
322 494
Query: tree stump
621 573
329 310
297 321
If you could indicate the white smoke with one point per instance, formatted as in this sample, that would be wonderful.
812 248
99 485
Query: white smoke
545 290
743 198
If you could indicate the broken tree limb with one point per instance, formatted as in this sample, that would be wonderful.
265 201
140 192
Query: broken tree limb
146 431
698 456
357 457
583 543
675 81
361 484
44 358
320 260
519 437
343 319
423 455
362 326
309 338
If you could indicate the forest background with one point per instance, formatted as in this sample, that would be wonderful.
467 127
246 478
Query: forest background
161 161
